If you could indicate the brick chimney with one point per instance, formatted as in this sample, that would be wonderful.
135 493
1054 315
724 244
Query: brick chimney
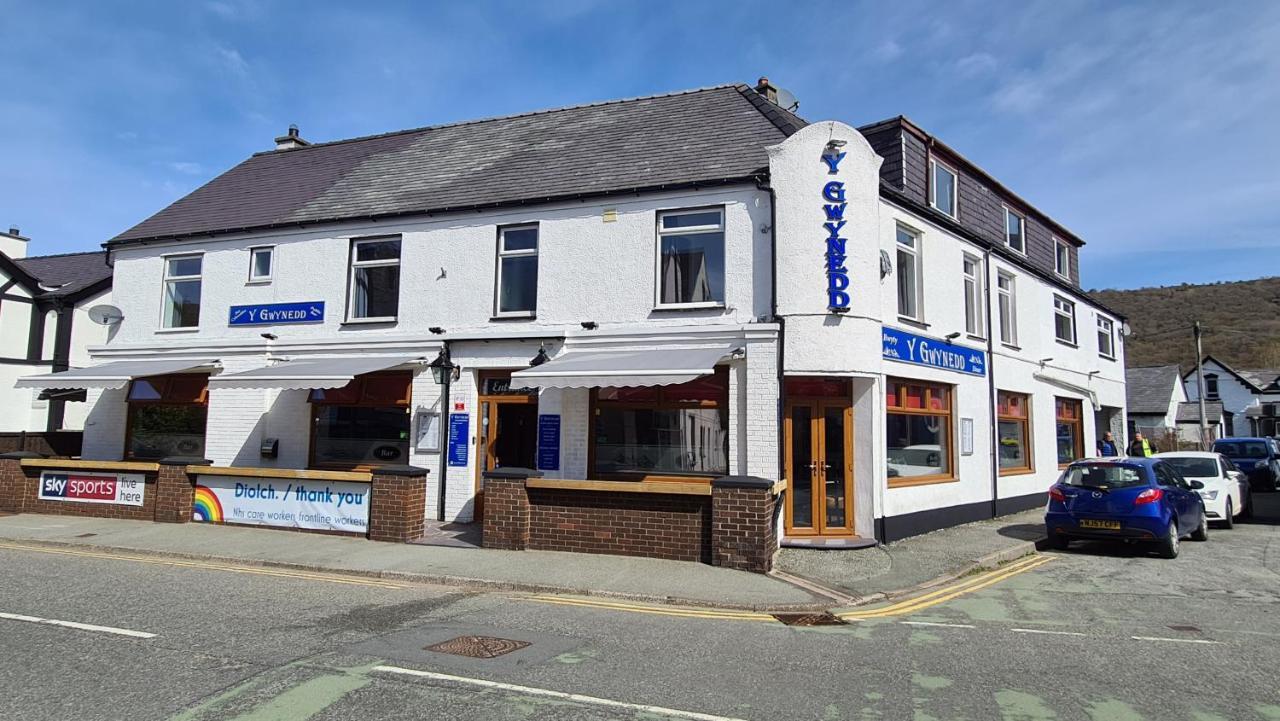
291 140
769 92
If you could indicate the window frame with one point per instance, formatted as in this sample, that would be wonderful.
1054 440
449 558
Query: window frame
1027 430
974 297
1077 422
949 432
1022 220
1011 293
131 405
1110 331
253 265
1061 258
934 165
503 253
1070 313
916 251
353 265
1214 393
659 233
164 290
313 411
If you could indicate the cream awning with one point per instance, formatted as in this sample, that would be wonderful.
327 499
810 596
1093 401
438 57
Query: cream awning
112 375
622 368
310 373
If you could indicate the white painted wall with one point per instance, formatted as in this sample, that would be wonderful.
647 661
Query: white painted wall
1236 397
20 405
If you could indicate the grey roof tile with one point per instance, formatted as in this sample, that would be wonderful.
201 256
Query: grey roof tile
1150 389
68 273
1190 412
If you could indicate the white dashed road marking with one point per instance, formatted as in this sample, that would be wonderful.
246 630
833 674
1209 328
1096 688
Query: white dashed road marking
1046 632
77 626
939 625
1175 640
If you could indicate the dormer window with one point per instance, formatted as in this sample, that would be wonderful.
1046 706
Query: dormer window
943 188
1015 230
1211 387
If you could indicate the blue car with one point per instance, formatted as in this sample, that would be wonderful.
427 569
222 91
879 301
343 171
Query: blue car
1258 458
1130 499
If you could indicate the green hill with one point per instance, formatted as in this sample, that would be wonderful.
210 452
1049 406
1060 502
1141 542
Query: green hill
1241 322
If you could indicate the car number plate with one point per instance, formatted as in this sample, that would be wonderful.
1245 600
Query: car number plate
1107 525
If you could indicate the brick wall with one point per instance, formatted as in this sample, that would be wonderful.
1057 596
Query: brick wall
19 493
744 528
397 504
676 527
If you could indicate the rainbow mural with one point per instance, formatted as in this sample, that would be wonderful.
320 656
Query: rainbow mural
205 507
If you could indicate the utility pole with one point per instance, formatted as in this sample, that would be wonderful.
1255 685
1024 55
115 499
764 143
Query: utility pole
1204 423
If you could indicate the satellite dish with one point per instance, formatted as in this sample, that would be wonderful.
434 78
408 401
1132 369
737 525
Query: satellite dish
787 101
105 314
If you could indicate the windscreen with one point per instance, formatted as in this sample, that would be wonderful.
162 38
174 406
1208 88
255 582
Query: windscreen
1110 475
1195 467
1241 449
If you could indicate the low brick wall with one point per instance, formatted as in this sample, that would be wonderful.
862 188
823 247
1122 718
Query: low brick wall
20 475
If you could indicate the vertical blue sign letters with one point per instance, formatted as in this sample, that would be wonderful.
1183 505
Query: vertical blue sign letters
836 246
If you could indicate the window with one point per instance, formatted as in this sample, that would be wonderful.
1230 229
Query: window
375 279
1015 231
1211 386
261 261
362 424
1013 425
1005 300
1106 337
1064 320
166 416
678 432
517 271
909 282
974 320
918 432
691 257
182 291
1061 258
942 191
1070 424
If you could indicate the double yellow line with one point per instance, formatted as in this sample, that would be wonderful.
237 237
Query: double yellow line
942 595
653 610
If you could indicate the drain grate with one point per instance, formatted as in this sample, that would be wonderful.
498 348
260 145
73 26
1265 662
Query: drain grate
1186 629
477 646
823 618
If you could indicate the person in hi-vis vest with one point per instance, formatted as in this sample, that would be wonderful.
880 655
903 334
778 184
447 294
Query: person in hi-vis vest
1141 447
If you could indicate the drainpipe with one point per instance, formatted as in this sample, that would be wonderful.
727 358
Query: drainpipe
444 434
763 184
991 385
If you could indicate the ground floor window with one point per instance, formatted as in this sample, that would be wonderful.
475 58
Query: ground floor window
1070 423
677 432
918 432
166 416
1013 419
363 424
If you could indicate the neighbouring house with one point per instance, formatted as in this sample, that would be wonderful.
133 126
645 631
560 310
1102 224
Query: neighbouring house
1159 409
1250 398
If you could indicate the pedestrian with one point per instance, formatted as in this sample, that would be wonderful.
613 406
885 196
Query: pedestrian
1107 446
1141 447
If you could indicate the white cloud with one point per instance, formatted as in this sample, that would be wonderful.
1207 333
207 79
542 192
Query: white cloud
186 167
888 50
232 60
979 63
221 9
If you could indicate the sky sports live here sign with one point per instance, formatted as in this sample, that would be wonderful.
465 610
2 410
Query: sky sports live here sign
121 489
899 345
311 311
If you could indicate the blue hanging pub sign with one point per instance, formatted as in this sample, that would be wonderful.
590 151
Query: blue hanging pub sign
833 209
311 311
899 345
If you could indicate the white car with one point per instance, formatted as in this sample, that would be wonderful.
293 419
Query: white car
1226 490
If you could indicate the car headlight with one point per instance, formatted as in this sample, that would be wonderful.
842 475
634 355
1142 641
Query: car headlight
1209 495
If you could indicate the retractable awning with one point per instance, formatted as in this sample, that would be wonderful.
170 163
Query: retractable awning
110 375
1068 385
310 373
622 368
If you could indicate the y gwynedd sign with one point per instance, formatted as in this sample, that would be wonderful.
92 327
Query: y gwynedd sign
122 489
907 347
311 311
833 210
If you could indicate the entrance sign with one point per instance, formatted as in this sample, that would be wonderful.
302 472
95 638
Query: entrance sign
277 313
286 503
837 251
548 443
459 439
899 345
121 489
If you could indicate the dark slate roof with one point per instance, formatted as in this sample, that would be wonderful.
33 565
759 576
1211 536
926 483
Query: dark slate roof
1190 412
1150 389
1263 378
66 274
711 135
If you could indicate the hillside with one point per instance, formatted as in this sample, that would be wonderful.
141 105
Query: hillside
1241 321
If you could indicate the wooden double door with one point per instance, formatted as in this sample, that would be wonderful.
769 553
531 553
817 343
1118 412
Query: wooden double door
818 434
508 434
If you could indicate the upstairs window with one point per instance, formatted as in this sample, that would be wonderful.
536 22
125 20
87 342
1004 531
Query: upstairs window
1106 337
1064 320
261 264
1007 306
1211 387
375 279
943 188
909 280
1062 258
518 271
182 291
974 322
691 258
1015 228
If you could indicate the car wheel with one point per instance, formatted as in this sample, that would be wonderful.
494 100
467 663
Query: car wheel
1059 542
1229 521
1202 531
1169 546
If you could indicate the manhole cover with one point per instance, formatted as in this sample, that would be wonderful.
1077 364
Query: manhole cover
810 619
1186 629
477 646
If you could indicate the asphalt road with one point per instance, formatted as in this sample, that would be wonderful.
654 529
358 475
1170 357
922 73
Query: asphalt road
1095 633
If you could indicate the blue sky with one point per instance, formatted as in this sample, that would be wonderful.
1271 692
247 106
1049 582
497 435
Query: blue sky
1147 128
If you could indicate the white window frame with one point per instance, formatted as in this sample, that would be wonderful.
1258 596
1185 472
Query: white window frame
164 290
692 229
974 297
916 252
504 253
1214 393
354 264
253 263
1108 327
1010 295
934 164
1008 238
1067 309
1061 258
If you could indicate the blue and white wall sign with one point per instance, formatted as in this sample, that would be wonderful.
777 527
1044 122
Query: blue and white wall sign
899 345
459 439
833 210
548 442
311 311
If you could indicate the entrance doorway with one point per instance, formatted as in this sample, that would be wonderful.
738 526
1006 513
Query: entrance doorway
508 428
818 433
